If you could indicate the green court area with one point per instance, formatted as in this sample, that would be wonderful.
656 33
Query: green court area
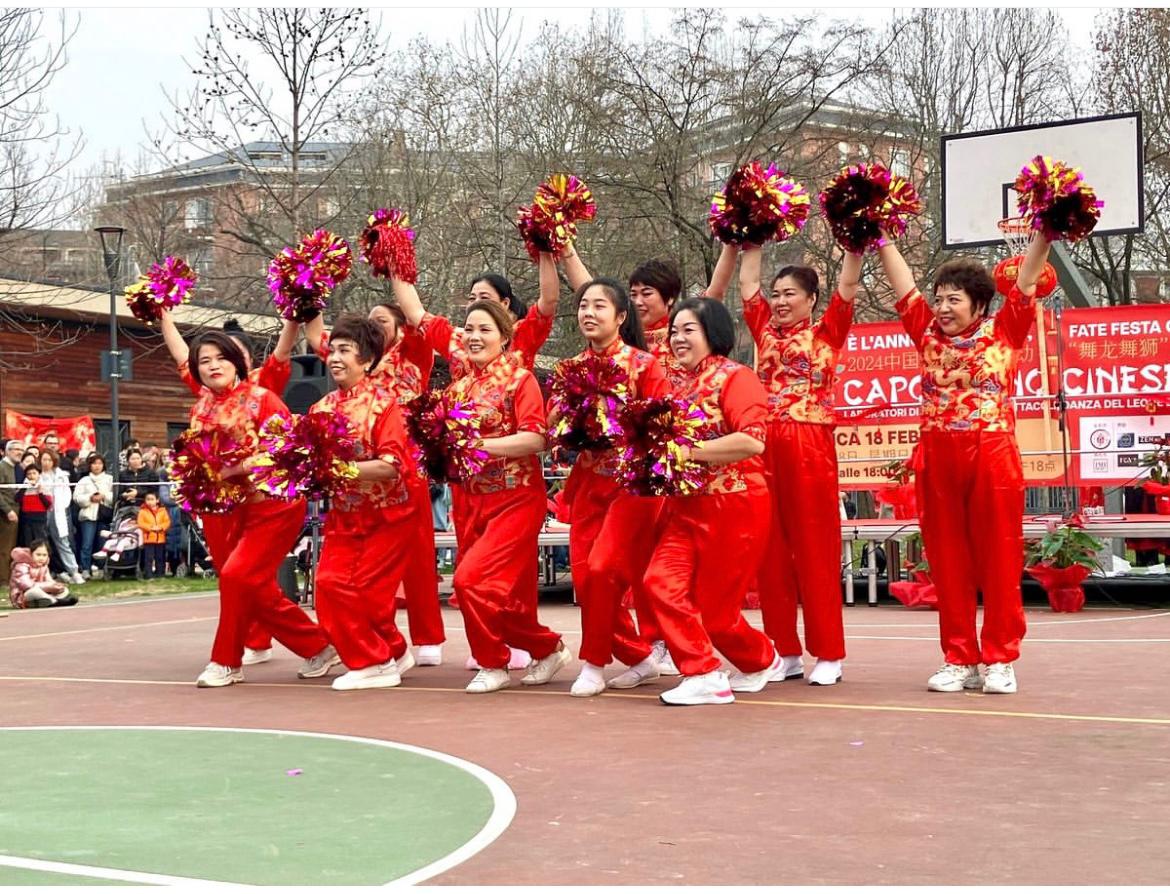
263 808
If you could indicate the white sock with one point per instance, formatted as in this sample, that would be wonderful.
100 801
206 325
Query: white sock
592 673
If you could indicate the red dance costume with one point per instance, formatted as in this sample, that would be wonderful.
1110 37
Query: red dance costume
500 515
710 541
797 365
368 533
971 489
612 533
251 541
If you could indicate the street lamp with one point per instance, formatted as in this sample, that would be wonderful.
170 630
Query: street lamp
112 254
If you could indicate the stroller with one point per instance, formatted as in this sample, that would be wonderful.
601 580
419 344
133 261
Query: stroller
121 551
194 557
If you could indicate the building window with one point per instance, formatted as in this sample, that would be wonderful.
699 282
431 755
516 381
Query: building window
900 163
843 152
720 171
201 261
197 214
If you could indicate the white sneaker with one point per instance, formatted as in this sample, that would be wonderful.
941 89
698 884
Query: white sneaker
663 659
644 672
589 682
405 663
702 689
215 675
77 578
378 676
319 664
430 656
955 678
825 673
540 672
757 680
489 679
1000 679
64 577
257 656
791 668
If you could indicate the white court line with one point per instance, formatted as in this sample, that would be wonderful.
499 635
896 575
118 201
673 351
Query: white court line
139 600
80 630
1027 639
503 807
116 875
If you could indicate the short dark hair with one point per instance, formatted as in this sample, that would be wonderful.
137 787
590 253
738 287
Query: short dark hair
230 350
93 458
805 277
363 332
37 544
133 451
496 311
497 282
150 493
630 330
233 328
659 274
970 276
715 320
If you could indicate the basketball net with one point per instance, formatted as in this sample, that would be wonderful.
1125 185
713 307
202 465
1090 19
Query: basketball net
1017 233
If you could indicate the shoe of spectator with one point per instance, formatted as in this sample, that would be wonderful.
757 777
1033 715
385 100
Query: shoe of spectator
65 601
257 656
100 555
216 675
65 577
85 575
78 578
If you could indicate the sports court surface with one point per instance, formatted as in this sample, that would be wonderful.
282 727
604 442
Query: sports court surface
282 781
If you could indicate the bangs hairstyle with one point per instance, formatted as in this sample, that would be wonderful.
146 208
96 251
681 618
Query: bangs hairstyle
970 276
715 320
805 277
497 282
630 330
661 275
363 332
496 311
231 351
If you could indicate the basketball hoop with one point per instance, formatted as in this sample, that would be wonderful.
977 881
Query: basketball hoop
1017 232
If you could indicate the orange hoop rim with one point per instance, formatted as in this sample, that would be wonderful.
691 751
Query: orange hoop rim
1017 232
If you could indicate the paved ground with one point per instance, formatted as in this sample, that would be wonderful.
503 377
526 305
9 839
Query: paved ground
872 781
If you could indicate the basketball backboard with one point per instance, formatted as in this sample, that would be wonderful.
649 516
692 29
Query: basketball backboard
978 170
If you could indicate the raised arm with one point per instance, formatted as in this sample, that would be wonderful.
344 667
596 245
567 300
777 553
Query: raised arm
721 275
407 297
849 279
550 285
1033 265
751 262
575 270
288 338
173 339
897 270
315 333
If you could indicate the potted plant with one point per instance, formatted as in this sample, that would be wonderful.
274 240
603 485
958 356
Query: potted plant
919 591
1062 561
1158 482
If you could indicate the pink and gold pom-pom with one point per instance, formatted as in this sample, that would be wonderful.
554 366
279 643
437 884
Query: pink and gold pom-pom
197 460
587 399
866 200
387 245
659 434
758 204
301 277
445 435
1054 197
311 456
549 224
162 287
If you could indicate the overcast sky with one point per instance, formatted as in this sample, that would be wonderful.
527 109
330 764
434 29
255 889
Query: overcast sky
123 62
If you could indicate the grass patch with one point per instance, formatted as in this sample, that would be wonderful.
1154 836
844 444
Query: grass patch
127 588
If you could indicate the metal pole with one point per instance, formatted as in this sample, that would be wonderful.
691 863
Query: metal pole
115 375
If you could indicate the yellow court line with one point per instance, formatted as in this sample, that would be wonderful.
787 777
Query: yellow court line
6 639
775 703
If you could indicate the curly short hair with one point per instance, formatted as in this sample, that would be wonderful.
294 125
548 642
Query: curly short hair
970 276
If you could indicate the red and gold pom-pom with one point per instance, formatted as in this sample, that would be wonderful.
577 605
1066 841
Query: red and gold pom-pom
758 204
300 278
658 435
445 434
587 397
549 224
866 200
162 287
1056 199
311 456
387 245
197 460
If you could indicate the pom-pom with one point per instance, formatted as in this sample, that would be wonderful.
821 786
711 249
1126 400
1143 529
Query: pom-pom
865 200
550 223
300 278
658 433
588 395
445 433
1057 201
162 287
758 204
197 460
387 245
311 456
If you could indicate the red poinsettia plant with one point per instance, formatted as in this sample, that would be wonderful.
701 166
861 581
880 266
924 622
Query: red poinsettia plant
1062 560
1158 482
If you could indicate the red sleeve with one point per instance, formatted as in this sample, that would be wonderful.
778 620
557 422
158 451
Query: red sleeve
189 380
414 347
274 374
745 403
437 332
915 314
652 381
271 405
323 347
390 436
756 314
1014 320
834 325
528 406
530 334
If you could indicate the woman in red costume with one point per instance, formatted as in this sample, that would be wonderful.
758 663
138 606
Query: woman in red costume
502 509
970 488
797 361
612 532
257 534
710 541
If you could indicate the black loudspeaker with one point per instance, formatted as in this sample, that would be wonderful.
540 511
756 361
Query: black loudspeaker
309 382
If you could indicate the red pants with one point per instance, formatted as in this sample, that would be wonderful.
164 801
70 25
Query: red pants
420 581
261 534
971 507
610 542
705 558
363 558
220 533
803 559
497 544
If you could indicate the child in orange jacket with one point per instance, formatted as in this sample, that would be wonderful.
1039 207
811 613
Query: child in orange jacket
153 522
